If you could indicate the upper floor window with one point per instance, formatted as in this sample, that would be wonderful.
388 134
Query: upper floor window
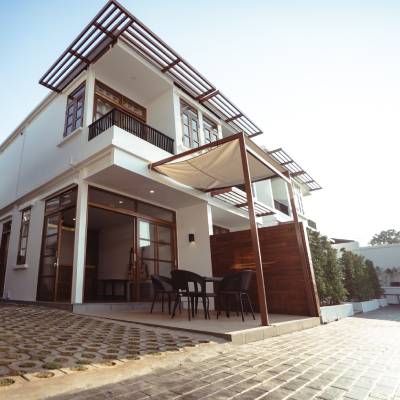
23 236
106 99
190 126
299 200
210 131
74 113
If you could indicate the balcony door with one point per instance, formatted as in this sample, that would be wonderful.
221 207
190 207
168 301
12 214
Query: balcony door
107 99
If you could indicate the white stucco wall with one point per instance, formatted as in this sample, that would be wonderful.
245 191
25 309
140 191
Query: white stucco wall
161 114
195 256
21 283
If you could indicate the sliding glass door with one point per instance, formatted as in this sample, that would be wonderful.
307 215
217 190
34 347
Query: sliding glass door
127 242
155 254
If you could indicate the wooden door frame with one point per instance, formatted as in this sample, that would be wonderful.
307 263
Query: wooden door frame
5 255
156 260
59 231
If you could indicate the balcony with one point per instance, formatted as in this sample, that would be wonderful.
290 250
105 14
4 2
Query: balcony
135 127
283 208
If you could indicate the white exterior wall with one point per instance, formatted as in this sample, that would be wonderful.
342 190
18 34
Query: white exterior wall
195 256
161 114
21 281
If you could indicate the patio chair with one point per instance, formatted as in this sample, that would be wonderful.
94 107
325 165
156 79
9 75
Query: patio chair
236 285
162 285
182 281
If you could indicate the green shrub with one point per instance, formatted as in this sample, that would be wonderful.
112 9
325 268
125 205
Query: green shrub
327 270
360 277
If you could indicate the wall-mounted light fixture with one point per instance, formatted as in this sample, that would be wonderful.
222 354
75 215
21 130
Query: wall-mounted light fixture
191 237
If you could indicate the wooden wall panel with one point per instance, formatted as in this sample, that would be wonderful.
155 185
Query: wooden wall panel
284 278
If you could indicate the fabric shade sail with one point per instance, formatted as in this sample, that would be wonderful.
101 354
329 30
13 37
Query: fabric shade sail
219 166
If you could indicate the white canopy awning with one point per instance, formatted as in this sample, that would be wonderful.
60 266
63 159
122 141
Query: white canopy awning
219 165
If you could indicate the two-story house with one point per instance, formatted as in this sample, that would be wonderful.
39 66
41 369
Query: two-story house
82 216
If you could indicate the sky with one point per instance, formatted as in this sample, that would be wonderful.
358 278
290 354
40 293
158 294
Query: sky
321 78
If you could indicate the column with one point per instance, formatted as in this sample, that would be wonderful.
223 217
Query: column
78 273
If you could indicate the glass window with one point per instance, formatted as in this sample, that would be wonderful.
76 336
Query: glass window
210 131
74 112
155 212
107 99
23 237
61 201
190 126
112 200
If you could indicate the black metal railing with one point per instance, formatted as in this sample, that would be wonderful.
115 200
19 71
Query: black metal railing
281 207
132 125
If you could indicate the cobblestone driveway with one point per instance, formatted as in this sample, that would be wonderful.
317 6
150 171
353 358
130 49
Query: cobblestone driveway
356 358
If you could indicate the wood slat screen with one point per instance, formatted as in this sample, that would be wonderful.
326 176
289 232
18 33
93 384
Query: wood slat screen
284 278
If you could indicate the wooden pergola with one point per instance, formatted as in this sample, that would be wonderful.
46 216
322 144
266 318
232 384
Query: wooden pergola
114 23
204 168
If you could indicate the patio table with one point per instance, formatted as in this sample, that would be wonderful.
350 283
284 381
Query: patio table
213 279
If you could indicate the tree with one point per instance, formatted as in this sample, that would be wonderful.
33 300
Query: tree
373 278
328 272
390 236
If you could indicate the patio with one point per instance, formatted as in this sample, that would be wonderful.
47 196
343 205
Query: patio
231 329
39 342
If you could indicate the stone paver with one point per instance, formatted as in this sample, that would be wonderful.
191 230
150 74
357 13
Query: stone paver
353 359
39 342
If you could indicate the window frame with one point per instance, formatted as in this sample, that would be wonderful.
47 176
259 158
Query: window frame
118 103
212 128
21 260
75 98
192 116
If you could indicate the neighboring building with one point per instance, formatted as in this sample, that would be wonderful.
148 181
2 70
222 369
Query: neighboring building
385 257
81 213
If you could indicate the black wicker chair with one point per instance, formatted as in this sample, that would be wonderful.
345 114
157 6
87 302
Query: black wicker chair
192 286
162 286
236 286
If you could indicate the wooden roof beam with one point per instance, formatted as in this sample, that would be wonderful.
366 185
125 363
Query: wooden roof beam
207 95
80 56
171 65
104 30
234 118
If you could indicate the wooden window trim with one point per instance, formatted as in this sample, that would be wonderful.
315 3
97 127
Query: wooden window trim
192 115
58 195
119 105
72 104
22 259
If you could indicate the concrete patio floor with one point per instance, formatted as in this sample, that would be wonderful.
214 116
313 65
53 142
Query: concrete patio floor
232 329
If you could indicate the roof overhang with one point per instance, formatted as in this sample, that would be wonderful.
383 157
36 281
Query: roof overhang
296 172
114 22
218 165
